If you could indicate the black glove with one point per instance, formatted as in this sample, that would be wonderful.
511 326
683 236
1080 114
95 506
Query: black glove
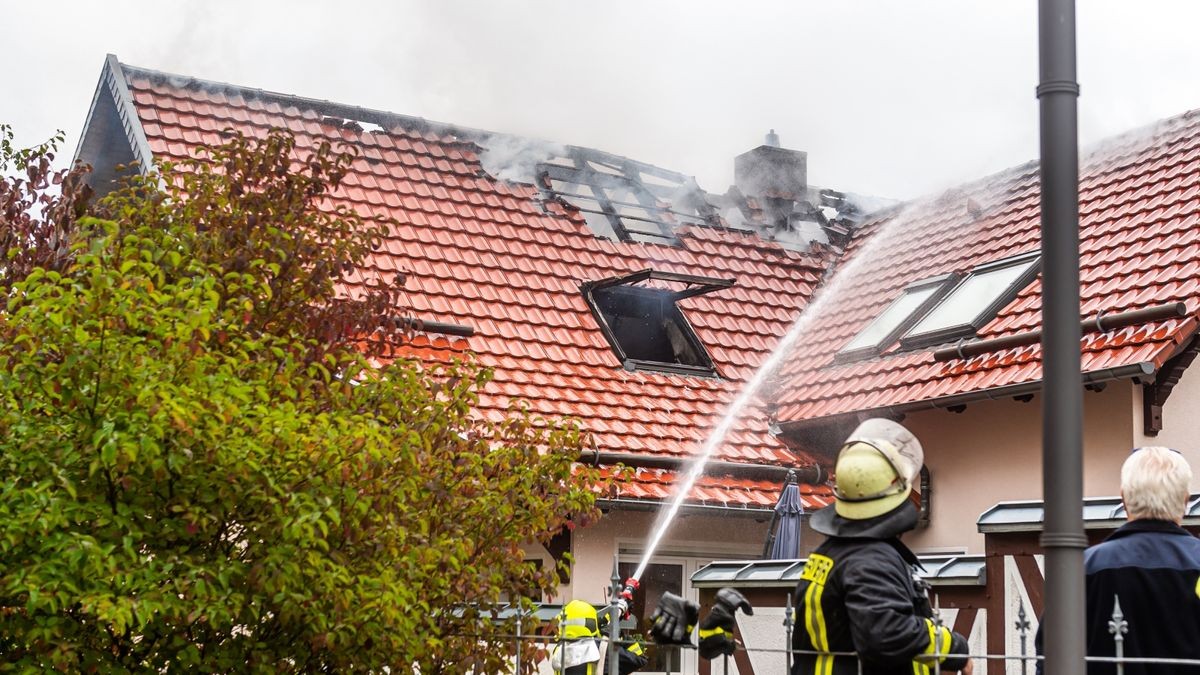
716 630
673 620
630 658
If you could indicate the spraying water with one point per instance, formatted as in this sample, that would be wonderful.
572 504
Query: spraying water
764 372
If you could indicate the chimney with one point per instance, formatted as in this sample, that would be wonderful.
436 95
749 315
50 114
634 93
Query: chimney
772 171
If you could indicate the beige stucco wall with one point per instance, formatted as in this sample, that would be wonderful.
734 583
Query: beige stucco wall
703 537
991 452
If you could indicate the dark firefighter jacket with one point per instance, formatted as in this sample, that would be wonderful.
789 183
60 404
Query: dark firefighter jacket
1154 567
859 595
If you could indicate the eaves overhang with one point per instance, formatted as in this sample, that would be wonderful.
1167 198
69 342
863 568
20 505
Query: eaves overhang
1138 372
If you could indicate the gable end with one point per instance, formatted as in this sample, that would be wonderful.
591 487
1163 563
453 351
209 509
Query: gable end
112 134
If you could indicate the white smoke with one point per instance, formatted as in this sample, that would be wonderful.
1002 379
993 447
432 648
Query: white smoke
515 159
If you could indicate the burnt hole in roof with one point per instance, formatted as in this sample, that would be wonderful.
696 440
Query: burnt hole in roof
617 202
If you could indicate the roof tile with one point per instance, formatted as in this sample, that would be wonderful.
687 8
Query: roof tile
1139 211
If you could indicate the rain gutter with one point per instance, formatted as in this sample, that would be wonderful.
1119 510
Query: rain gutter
1100 323
757 512
811 475
1136 371
1131 370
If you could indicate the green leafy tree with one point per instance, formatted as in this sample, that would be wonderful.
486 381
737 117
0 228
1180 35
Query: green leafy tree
203 466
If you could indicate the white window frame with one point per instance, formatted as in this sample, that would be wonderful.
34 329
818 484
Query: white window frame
985 313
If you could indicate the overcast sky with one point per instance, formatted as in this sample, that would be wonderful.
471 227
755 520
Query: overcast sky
890 98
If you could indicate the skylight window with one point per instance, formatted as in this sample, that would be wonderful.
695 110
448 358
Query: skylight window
974 301
644 324
896 318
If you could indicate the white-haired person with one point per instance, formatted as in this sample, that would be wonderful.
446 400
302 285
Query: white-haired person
1150 563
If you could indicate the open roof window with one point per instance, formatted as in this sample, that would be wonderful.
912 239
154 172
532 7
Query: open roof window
639 316
905 310
619 202
974 301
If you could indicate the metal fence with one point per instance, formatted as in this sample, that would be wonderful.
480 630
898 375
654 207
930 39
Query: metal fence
1026 657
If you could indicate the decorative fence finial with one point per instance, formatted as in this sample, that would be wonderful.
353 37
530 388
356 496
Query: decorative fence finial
1023 626
1118 626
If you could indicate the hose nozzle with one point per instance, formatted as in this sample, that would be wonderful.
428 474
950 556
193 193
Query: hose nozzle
625 597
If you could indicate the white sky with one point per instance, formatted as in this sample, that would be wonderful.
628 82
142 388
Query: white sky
894 98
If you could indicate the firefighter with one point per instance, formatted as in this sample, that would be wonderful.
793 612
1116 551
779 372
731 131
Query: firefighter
630 655
577 650
675 618
858 591
630 658
716 629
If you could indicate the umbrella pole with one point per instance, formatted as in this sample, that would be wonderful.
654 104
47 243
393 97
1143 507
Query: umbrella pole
771 533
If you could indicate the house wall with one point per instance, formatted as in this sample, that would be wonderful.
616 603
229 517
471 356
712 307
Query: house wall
991 452
1181 423
700 537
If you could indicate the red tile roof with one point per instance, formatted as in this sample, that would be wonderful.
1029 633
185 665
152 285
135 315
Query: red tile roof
1140 247
493 255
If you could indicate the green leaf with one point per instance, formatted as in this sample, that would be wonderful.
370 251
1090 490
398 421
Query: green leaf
187 464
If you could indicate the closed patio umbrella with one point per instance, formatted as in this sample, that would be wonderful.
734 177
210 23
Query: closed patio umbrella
783 541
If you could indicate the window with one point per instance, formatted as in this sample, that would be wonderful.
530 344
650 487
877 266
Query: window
645 326
933 311
898 317
658 578
974 301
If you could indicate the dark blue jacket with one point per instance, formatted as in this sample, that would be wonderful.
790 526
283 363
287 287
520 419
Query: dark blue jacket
860 594
1154 567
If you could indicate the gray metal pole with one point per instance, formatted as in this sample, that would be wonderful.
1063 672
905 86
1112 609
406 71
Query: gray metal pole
1062 398
614 619
788 612
520 612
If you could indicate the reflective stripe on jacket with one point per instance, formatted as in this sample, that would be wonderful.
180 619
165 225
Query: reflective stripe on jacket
859 595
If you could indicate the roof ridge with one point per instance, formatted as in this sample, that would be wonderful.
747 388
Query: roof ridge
324 106
371 115
1090 158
